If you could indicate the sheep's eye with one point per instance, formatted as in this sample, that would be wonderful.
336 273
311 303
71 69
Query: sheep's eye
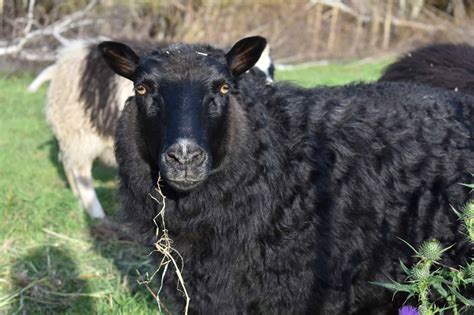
224 89
141 89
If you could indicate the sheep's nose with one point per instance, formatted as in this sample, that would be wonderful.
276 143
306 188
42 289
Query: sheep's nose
185 153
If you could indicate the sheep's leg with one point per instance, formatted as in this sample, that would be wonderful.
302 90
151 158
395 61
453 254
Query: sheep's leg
71 181
83 178
69 171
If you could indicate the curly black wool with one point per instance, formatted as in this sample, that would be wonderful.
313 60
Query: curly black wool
448 66
313 193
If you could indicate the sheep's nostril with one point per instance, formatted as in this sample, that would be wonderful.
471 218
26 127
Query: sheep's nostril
173 157
196 157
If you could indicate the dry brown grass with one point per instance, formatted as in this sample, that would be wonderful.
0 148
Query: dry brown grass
170 256
300 30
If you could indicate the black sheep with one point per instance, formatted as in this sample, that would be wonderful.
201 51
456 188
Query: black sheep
448 66
85 99
285 200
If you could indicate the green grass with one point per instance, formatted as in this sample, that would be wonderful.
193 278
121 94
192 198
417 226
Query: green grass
53 259
333 74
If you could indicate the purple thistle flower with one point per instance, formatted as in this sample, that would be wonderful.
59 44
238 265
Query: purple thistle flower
408 310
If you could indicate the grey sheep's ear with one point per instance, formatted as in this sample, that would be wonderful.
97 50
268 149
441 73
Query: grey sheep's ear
244 54
120 58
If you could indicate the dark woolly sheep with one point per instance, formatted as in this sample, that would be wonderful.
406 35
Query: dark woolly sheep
85 99
285 200
448 66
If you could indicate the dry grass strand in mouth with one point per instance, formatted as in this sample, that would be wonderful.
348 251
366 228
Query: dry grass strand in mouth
163 245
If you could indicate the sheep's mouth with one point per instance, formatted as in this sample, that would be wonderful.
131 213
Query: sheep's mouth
183 178
184 184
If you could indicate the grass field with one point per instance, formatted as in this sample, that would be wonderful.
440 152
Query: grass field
53 259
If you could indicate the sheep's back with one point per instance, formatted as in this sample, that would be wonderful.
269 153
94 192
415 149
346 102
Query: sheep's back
448 66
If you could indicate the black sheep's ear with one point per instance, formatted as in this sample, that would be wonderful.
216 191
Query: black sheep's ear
120 58
245 53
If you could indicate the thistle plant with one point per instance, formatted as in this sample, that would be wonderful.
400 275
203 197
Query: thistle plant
467 216
438 288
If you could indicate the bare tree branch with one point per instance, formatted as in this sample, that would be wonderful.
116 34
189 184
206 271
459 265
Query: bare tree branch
36 56
29 16
54 29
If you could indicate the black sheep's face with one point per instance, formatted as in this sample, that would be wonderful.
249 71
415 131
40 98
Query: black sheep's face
184 94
